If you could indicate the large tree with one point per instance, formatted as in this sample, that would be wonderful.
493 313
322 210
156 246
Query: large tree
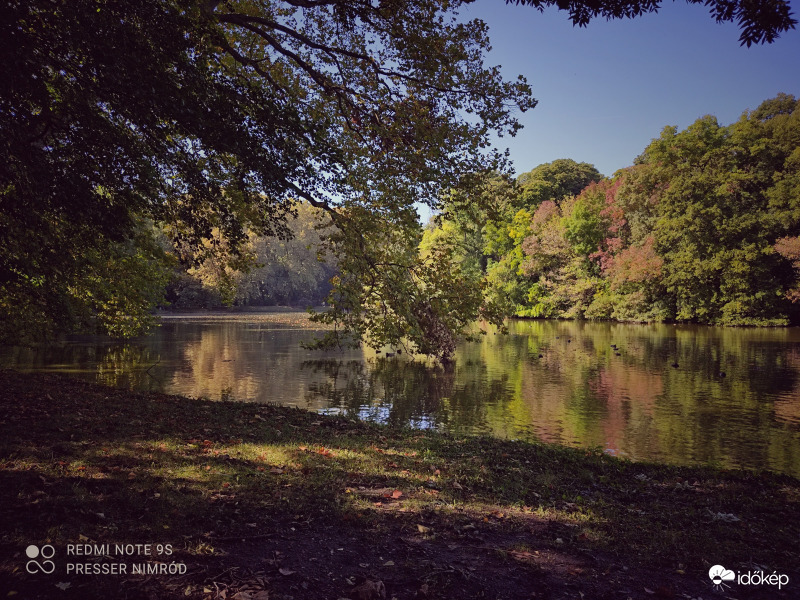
214 118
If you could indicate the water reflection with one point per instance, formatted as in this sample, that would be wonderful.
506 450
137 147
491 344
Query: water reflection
678 394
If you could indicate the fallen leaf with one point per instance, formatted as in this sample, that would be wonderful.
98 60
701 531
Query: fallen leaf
423 529
370 590
286 572
63 585
276 470
522 555
396 494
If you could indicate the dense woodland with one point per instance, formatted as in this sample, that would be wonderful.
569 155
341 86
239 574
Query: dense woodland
271 271
702 228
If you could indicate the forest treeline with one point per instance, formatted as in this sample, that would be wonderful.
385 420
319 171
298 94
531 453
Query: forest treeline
269 271
702 228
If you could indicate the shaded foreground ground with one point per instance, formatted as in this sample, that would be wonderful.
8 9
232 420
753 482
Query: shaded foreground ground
258 502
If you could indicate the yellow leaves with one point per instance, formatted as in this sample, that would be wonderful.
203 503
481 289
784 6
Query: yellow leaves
322 451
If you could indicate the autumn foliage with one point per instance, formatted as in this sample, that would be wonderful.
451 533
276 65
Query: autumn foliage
704 227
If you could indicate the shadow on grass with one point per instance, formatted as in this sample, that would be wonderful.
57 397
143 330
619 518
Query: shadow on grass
256 499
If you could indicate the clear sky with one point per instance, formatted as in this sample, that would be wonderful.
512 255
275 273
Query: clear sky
606 90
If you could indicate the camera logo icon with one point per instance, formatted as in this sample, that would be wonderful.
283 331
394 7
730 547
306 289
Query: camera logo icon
45 553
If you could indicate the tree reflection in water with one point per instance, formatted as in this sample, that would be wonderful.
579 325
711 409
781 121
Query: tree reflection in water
733 400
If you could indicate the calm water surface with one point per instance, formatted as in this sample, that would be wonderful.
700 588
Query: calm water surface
732 400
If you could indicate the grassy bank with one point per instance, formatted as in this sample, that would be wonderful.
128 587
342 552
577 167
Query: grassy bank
270 502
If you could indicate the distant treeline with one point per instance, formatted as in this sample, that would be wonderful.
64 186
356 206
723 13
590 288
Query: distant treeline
702 228
271 272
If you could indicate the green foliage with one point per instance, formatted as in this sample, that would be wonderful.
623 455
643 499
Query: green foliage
717 222
583 222
212 119
563 277
216 118
555 181
421 303
703 228
113 289
547 185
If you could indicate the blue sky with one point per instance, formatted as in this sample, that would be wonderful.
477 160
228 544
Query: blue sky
606 90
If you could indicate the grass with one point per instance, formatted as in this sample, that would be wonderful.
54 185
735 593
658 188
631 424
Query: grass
263 499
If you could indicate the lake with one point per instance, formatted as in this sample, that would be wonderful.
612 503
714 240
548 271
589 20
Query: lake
675 394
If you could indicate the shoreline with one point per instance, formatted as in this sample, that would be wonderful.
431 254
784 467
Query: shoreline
264 499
